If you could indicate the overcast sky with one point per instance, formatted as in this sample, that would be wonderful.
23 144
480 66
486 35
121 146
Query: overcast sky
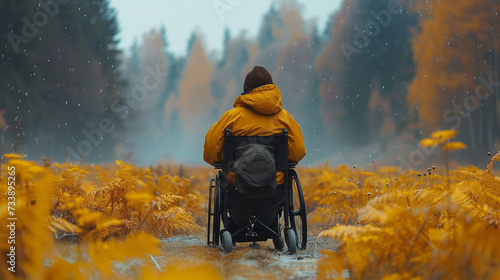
209 17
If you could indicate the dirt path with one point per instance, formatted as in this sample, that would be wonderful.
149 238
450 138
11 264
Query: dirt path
186 252
244 262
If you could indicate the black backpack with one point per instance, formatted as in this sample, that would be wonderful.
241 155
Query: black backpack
255 171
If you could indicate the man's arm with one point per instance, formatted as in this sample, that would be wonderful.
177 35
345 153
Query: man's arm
214 141
296 149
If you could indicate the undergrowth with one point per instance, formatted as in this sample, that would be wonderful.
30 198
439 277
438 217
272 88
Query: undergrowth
433 224
408 226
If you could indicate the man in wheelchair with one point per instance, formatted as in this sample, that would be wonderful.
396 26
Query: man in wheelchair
251 173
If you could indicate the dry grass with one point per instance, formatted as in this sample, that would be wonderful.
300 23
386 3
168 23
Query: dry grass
127 222
414 227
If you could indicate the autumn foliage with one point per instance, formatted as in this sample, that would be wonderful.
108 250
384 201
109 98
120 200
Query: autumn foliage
115 214
84 222
408 226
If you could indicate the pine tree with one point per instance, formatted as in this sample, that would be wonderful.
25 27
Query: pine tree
227 38
270 22
62 79
370 47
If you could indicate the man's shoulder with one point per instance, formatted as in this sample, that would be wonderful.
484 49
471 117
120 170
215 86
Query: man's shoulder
234 111
286 114
283 111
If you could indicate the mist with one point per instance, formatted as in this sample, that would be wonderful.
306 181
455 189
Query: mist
207 85
365 88
349 99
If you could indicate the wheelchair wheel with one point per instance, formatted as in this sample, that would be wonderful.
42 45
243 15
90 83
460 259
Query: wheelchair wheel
227 241
214 211
291 240
298 216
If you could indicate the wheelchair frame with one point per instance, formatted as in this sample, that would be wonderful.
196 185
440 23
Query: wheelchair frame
291 204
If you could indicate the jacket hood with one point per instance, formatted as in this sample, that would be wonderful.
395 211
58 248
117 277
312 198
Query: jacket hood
265 99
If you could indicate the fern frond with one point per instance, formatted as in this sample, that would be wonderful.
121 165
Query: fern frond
493 159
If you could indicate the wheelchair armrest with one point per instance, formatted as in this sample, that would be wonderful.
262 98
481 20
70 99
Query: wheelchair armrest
291 164
218 165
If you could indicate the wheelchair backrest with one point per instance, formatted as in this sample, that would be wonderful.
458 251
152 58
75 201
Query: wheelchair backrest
277 142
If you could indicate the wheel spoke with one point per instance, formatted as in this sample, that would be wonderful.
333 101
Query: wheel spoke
298 217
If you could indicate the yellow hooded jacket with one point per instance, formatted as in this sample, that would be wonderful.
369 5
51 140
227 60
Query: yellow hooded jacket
258 112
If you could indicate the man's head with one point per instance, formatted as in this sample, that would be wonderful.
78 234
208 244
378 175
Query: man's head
259 76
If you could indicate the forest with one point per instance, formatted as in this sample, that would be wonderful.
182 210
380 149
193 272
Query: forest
398 102
369 85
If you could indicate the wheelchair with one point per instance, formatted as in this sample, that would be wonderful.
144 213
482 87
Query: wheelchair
288 206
